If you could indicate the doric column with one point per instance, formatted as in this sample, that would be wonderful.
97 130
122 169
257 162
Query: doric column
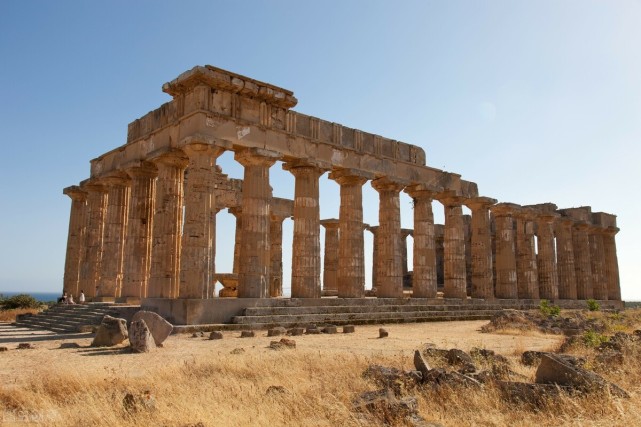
164 277
197 253
546 260
276 255
374 230
236 211
95 226
527 274
306 241
424 270
482 282
351 252
454 247
597 261
114 237
75 239
138 238
254 242
390 270
330 261
565 259
506 279
582 264
611 264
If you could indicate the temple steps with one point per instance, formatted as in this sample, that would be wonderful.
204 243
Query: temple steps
69 318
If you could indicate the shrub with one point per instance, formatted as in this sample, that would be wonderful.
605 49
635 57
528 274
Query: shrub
19 301
594 339
593 305
548 309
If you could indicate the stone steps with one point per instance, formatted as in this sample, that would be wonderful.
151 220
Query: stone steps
338 309
68 318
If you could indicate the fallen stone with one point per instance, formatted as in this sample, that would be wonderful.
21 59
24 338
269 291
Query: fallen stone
194 335
557 370
160 328
237 351
509 319
349 329
215 335
25 346
140 338
296 331
247 334
312 330
440 377
537 395
382 333
3 349
435 353
274 332
330 329
420 364
531 358
69 345
288 342
389 409
133 403
458 357
276 389
400 382
112 331
282 344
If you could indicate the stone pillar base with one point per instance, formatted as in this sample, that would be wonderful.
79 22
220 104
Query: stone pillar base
129 300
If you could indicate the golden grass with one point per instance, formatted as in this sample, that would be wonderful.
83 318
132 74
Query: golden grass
10 315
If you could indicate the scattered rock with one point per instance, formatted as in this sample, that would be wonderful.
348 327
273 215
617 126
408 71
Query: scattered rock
276 389
25 346
440 377
194 335
435 353
144 401
537 395
69 345
247 334
349 329
237 351
160 328
386 407
312 329
140 338
112 331
296 331
382 333
557 370
3 349
215 335
420 364
610 357
400 382
274 332
330 329
531 358
282 344
508 319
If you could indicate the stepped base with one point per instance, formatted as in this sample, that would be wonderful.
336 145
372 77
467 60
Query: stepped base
103 299
128 300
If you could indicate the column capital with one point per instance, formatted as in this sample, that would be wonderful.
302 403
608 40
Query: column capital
235 211
475 203
372 229
116 179
142 170
93 185
350 176
547 217
278 218
330 223
256 157
450 199
175 158
504 209
565 222
407 232
388 184
524 213
75 193
422 191
581 225
319 165
198 148
611 231
596 229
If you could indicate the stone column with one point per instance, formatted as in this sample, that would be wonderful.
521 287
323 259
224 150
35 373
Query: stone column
254 242
374 230
75 239
276 255
114 237
611 264
424 271
306 241
482 281
582 263
197 254
546 260
164 277
454 247
330 266
138 238
390 269
351 252
565 259
597 261
238 234
506 279
90 266
527 274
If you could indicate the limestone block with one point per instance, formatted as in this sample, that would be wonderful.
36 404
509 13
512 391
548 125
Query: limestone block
160 328
112 331
140 338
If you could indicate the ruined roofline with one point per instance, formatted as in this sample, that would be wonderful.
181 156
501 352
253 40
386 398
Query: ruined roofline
217 78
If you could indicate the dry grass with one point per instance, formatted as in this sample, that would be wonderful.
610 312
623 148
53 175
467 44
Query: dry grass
196 380
10 315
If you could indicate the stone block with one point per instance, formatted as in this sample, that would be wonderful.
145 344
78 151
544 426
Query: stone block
140 338
160 328
112 331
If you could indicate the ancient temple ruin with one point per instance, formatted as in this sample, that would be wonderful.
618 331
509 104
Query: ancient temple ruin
142 227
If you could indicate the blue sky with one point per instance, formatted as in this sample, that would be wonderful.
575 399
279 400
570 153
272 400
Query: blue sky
535 101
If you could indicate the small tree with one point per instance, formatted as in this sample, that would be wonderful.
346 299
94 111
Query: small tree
548 309
593 305
19 301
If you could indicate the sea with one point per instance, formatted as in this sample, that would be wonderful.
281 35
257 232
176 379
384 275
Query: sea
40 296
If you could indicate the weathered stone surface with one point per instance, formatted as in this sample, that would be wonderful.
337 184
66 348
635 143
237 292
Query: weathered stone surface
398 381
140 338
349 329
420 363
282 344
330 329
537 395
3 349
133 403
274 332
247 334
216 335
25 346
69 345
440 377
382 333
296 331
389 409
276 389
112 331
160 328
312 329
556 370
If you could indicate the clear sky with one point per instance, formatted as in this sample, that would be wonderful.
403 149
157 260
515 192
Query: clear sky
536 101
